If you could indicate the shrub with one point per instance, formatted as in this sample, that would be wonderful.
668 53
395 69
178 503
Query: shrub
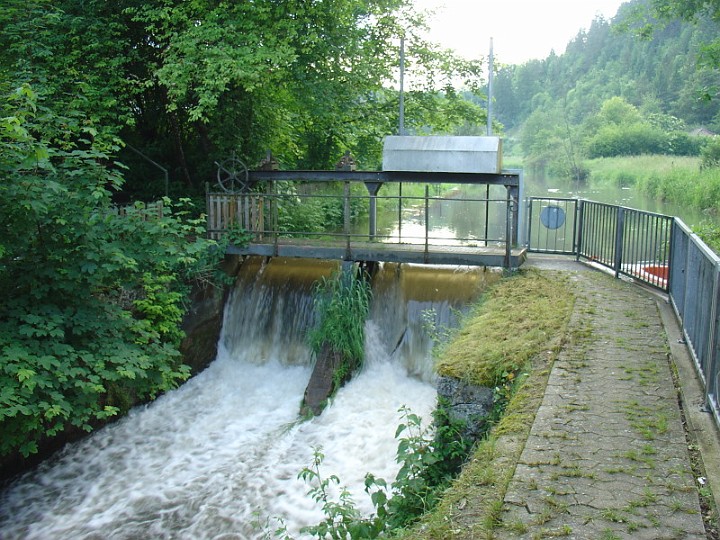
92 298
631 140
710 154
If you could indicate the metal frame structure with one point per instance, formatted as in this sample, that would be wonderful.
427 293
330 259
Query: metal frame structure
257 212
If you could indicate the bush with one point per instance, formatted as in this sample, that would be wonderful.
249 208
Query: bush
428 460
92 298
632 140
682 144
342 303
710 154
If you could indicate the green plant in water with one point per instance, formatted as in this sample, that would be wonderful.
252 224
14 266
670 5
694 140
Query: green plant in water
342 519
342 303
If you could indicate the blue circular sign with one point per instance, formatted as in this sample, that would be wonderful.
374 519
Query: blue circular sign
553 217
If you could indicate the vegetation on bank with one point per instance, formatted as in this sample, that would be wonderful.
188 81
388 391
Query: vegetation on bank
689 182
515 320
529 301
92 297
682 181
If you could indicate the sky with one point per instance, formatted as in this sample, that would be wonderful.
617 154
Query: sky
521 29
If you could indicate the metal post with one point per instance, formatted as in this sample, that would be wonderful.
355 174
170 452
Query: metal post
712 356
347 221
487 212
373 189
619 237
490 90
400 212
513 192
530 205
401 121
575 246
427 219
274 214
508 229
579 231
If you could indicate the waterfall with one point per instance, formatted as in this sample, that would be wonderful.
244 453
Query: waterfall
219 457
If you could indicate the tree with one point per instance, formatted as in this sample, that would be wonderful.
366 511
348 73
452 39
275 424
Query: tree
609 60
89 324
191 83
621 129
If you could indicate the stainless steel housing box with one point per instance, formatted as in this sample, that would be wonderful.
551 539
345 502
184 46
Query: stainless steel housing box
460 154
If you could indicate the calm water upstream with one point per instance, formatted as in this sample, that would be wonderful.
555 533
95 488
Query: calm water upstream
630 197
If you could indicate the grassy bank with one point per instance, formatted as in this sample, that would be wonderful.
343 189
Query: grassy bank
511 340
668 178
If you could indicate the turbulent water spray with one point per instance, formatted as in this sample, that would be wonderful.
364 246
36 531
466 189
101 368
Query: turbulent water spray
219 457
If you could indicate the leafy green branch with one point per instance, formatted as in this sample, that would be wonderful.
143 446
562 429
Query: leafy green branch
429 456
94 298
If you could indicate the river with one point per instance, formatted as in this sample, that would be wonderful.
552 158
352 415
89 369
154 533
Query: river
612 194
219 457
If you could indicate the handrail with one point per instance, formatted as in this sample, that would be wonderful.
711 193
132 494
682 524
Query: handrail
257 213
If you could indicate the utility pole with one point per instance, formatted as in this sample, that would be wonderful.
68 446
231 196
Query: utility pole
401 127
490 90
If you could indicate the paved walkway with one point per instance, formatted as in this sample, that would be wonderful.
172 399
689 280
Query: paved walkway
607 456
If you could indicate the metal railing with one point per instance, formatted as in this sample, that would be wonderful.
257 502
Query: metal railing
426 219
552 225
693 291
630 242
655 249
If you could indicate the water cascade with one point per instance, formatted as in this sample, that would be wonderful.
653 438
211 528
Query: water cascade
219 457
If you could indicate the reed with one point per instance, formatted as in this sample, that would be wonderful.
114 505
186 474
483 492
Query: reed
342 303
679 180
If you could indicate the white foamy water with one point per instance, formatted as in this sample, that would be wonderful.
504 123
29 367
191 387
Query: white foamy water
220 456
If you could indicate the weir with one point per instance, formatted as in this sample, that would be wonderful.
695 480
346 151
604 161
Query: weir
219 457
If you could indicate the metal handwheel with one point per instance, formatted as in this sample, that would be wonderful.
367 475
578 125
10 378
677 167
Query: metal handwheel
232 176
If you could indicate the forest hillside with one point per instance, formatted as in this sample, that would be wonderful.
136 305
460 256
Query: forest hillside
618 89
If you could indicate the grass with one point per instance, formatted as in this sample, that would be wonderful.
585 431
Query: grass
522 321
669 178
626 170
517 319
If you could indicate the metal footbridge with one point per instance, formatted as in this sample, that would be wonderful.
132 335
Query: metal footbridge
438 200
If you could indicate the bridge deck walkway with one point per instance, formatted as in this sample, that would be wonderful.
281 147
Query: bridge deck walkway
494 256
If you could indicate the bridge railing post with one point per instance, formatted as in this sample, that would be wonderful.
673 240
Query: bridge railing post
400 208
346 226
273 215
508 228
619 240
427 220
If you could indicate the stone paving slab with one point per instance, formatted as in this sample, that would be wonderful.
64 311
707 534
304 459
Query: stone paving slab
607 456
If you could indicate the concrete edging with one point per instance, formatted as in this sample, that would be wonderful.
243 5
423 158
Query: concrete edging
700 423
